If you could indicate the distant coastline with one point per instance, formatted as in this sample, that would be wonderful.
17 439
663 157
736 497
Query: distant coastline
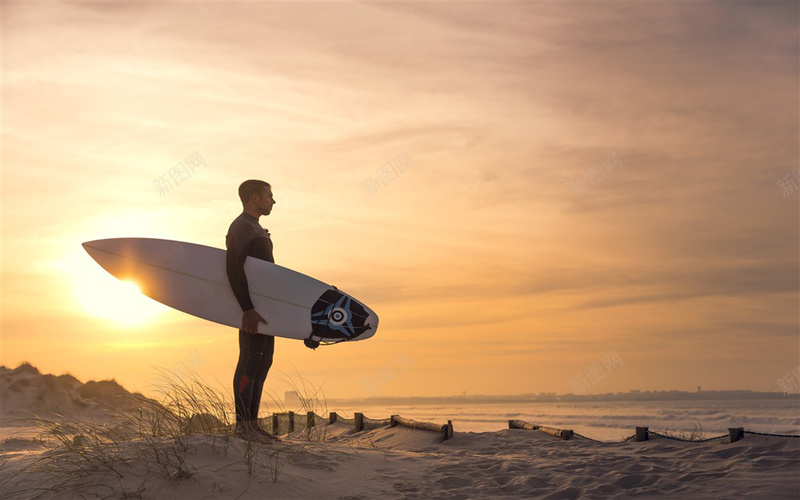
560 398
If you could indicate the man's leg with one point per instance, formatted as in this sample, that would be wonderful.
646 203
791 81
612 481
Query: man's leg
258 384
251 356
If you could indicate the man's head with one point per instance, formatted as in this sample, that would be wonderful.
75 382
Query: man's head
256 197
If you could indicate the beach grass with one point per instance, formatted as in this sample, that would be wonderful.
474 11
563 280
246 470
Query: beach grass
151 442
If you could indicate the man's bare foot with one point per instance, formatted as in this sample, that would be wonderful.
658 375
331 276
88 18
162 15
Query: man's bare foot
255 427
244 430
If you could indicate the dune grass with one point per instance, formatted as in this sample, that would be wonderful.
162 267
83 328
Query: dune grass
151 444
695 434
312 399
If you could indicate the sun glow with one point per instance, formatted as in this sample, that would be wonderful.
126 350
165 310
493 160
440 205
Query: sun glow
119 301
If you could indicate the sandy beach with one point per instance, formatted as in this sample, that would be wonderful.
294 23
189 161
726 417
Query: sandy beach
407 463
65 456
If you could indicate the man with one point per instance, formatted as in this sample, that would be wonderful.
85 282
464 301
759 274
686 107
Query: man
247 237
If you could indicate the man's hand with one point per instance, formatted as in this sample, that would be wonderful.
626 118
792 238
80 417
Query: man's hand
250 320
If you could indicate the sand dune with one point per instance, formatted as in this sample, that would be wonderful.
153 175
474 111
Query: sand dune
25 392
333 461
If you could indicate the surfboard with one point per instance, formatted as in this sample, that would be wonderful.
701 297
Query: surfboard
192 278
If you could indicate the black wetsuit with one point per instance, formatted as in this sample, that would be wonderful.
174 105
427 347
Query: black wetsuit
247 237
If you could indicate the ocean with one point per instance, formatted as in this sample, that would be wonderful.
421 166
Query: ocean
605 421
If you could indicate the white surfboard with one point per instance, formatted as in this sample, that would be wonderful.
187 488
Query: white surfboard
192 279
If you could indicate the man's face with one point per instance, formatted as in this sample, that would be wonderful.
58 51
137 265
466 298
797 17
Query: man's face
265 202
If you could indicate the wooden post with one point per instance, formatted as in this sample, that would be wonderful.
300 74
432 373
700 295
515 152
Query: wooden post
448 430
519 424
566 434
332 417
641 434
275 424
359 420
553 431
735 434
291 421
311 419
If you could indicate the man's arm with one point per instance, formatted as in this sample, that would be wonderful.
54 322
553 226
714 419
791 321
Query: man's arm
241 242
236 276
234 265
259 247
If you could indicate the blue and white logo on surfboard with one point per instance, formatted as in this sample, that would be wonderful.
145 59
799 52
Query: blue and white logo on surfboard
338 316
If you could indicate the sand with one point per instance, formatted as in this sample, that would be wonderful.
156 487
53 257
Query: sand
335 462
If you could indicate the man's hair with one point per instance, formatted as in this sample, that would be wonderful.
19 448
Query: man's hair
250 187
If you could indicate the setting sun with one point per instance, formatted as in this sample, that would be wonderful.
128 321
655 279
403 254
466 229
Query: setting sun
119 301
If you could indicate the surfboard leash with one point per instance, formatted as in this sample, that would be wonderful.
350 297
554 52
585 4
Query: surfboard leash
313 344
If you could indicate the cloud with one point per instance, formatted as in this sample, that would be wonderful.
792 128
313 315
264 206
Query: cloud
500 106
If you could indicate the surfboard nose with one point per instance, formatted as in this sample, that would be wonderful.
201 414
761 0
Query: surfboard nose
113 255
111 246
372 322
124 258
107 244
104 252
89 246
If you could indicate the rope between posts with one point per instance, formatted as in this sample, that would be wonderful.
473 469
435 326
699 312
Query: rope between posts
767 434
584 437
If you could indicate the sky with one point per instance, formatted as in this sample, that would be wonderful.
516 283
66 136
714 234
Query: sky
503 255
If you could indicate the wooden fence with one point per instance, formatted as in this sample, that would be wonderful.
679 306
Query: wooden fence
288 422
641 433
